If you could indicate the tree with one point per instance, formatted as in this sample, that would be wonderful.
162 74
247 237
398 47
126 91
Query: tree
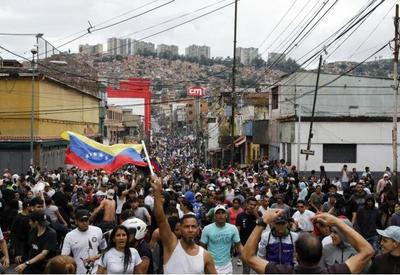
258 62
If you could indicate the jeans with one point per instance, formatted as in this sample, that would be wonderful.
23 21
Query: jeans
374 242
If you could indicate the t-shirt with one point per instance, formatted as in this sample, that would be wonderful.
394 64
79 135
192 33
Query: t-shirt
144 250
219 241
247 223
385 263
1 235
234 214
304 220
83 245
113 261
46 241
51 212
272 268
141 213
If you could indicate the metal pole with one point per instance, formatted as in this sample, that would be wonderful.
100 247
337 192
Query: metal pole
313 108
32 107
298 136
395 98
233 87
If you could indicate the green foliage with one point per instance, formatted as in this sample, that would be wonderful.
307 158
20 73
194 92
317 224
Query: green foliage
289 65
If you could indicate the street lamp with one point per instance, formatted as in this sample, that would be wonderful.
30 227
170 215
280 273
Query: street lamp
33 51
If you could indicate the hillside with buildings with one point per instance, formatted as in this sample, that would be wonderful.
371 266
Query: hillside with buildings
377 68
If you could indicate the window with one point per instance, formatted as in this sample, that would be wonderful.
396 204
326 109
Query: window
339 153
275 98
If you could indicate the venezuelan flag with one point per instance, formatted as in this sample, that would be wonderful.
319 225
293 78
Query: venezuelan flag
88 154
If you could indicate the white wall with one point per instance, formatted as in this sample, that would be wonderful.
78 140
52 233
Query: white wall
374 147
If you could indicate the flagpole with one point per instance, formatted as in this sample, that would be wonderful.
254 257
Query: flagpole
147 157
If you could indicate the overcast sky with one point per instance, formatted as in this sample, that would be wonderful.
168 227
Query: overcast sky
60 21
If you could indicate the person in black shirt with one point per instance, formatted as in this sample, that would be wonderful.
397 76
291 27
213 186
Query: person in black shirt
389 261
245 222
42 245
19 233
308 249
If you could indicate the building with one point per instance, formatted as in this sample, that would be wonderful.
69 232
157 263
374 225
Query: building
352 123
170 50
142 47
273 57
114 46
246 55
57 106
91 49
113 127
195 51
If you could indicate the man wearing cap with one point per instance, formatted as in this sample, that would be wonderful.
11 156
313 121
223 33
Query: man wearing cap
84 242
389 261
308 249
42 245
109 207
218 238
277 244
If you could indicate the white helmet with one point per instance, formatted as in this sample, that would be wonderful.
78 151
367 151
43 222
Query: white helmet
136 226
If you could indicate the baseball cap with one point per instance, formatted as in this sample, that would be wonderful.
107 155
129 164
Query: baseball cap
110 193
391 232
282 219
198 194
82 214
219 207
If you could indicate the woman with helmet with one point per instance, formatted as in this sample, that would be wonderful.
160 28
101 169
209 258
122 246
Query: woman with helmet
137 231
119 258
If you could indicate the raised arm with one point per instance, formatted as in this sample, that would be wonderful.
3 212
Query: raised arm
356 263
167 237
249 251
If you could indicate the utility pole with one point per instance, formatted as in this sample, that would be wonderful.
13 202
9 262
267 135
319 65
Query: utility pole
310 134
233 87
395 98
298 135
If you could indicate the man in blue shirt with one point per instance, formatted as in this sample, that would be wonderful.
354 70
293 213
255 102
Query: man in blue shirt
218 238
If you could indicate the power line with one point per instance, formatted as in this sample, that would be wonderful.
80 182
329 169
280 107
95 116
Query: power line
107 20
173 19
279 22
347 28
116 23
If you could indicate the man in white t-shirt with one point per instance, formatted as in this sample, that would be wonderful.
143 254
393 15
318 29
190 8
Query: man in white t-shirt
84 243
302 218
149 199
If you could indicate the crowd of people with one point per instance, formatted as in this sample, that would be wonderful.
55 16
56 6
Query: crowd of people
189 218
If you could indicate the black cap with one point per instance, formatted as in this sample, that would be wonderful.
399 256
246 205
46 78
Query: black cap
282 219
82 214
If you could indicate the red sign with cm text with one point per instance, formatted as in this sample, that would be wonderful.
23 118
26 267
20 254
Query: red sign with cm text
196 91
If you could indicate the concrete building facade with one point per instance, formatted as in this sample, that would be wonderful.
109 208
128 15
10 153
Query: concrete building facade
197 51
57 107
91 49
246 55
352 121
167 49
